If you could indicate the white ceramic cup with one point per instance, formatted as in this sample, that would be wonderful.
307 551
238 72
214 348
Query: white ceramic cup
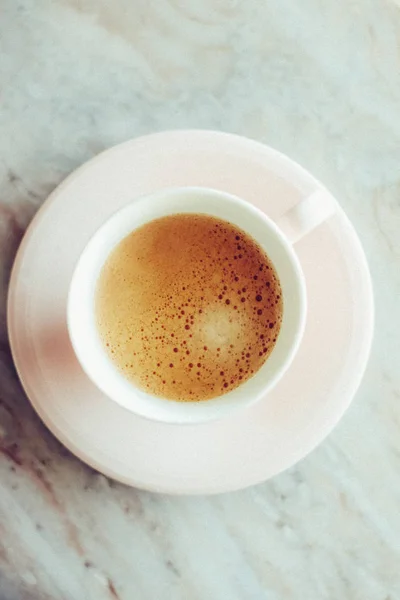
275 239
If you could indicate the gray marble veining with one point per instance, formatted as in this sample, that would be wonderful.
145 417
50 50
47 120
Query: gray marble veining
317 79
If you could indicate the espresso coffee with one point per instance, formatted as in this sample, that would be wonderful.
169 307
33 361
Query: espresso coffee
188 307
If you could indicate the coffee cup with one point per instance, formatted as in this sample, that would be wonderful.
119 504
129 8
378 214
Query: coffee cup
276 239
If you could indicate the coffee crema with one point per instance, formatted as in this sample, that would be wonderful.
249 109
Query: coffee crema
188 307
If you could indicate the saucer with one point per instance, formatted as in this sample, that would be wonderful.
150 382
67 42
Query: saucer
250 445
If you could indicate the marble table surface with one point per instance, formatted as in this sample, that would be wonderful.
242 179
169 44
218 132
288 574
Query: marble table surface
317 79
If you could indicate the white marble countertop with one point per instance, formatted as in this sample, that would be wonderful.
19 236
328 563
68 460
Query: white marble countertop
317 79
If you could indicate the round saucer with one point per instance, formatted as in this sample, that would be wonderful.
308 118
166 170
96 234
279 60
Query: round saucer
248 446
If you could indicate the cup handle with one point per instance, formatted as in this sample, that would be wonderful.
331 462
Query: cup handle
307 214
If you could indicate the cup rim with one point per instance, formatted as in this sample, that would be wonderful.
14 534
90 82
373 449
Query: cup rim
214 408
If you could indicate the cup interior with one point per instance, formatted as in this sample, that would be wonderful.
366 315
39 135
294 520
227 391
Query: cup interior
81 302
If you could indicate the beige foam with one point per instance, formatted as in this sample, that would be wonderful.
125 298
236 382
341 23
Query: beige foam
188 307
